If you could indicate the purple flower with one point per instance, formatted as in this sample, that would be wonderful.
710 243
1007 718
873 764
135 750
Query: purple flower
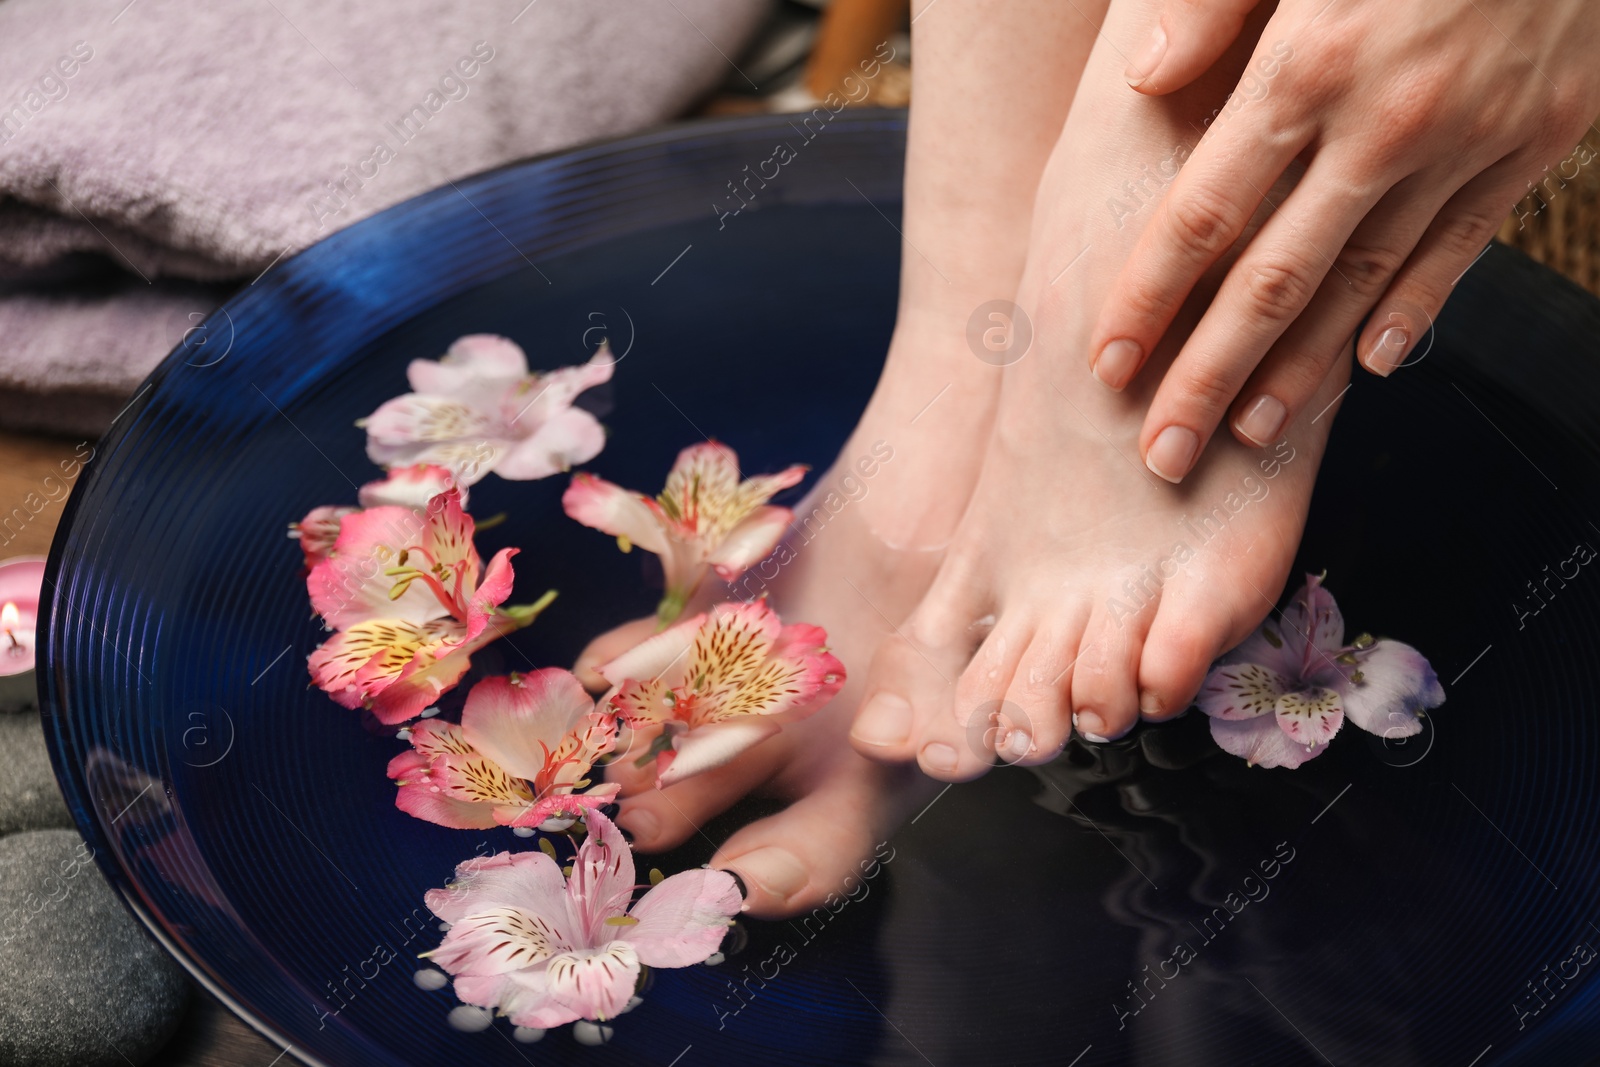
1278 699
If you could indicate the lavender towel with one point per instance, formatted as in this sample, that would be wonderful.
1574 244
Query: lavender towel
155 154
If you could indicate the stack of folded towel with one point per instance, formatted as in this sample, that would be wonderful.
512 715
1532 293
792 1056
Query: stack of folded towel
157 154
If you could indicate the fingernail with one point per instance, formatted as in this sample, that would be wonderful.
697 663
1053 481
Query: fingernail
939 757
1145 63
1388 352
1263 420
885 720
1089 727
1117 363
1017 745
1149 705
1172 453
641 822
775 871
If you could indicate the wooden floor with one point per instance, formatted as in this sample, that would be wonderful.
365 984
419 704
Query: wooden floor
31 495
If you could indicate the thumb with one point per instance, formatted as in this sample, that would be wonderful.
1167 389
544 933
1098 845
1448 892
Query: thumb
1191 35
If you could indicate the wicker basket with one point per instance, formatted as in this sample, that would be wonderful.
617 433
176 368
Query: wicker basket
1558 222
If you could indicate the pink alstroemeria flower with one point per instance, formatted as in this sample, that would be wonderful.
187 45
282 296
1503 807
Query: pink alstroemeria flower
705 517
410 487
525 745
720 682
1278 699
318 531
547 949
479 410
412 601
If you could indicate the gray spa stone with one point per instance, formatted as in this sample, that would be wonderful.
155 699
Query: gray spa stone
81 984
29 796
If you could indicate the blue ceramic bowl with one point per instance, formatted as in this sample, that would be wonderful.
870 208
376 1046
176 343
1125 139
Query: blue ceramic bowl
1433 889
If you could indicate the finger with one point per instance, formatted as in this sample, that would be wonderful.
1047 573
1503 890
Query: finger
1292 372
1190 36
1454 241
1266 290
1204 211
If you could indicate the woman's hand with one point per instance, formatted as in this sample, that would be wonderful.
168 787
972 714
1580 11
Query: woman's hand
1420 123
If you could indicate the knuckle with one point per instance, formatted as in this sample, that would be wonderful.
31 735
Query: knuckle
1405 121
1277 291
1568 111
1368 269
1296 380
1491 128
1317 83
1466 230
1321 69
1145 303
1207 388
1395 139
1201 222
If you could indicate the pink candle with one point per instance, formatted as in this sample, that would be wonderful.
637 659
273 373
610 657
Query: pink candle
21 580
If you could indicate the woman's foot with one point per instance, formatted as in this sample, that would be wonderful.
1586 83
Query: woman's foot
863 547
871 536
1080 586
841 572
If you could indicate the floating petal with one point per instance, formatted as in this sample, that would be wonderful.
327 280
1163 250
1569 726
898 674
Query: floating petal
1310 716
1388 686
1261 742
1241 691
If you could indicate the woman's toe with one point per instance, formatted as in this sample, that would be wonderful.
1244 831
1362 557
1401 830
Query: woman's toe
831 842
912 681
607 647
660 819
1105 690
908 687
1038 704
626 768
951 752
1192 627
987 676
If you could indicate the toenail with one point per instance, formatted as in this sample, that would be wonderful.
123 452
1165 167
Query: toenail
641 822
939 757
775 871
1090 727
1172 453
1150 705
738 882
1016 746
1262 420
1118 362
885 720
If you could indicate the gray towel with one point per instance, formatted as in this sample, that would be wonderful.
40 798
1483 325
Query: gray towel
155 155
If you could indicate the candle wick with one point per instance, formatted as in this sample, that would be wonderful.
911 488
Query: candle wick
15 644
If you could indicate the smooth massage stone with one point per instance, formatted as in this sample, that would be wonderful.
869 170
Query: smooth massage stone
81 983
29 796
